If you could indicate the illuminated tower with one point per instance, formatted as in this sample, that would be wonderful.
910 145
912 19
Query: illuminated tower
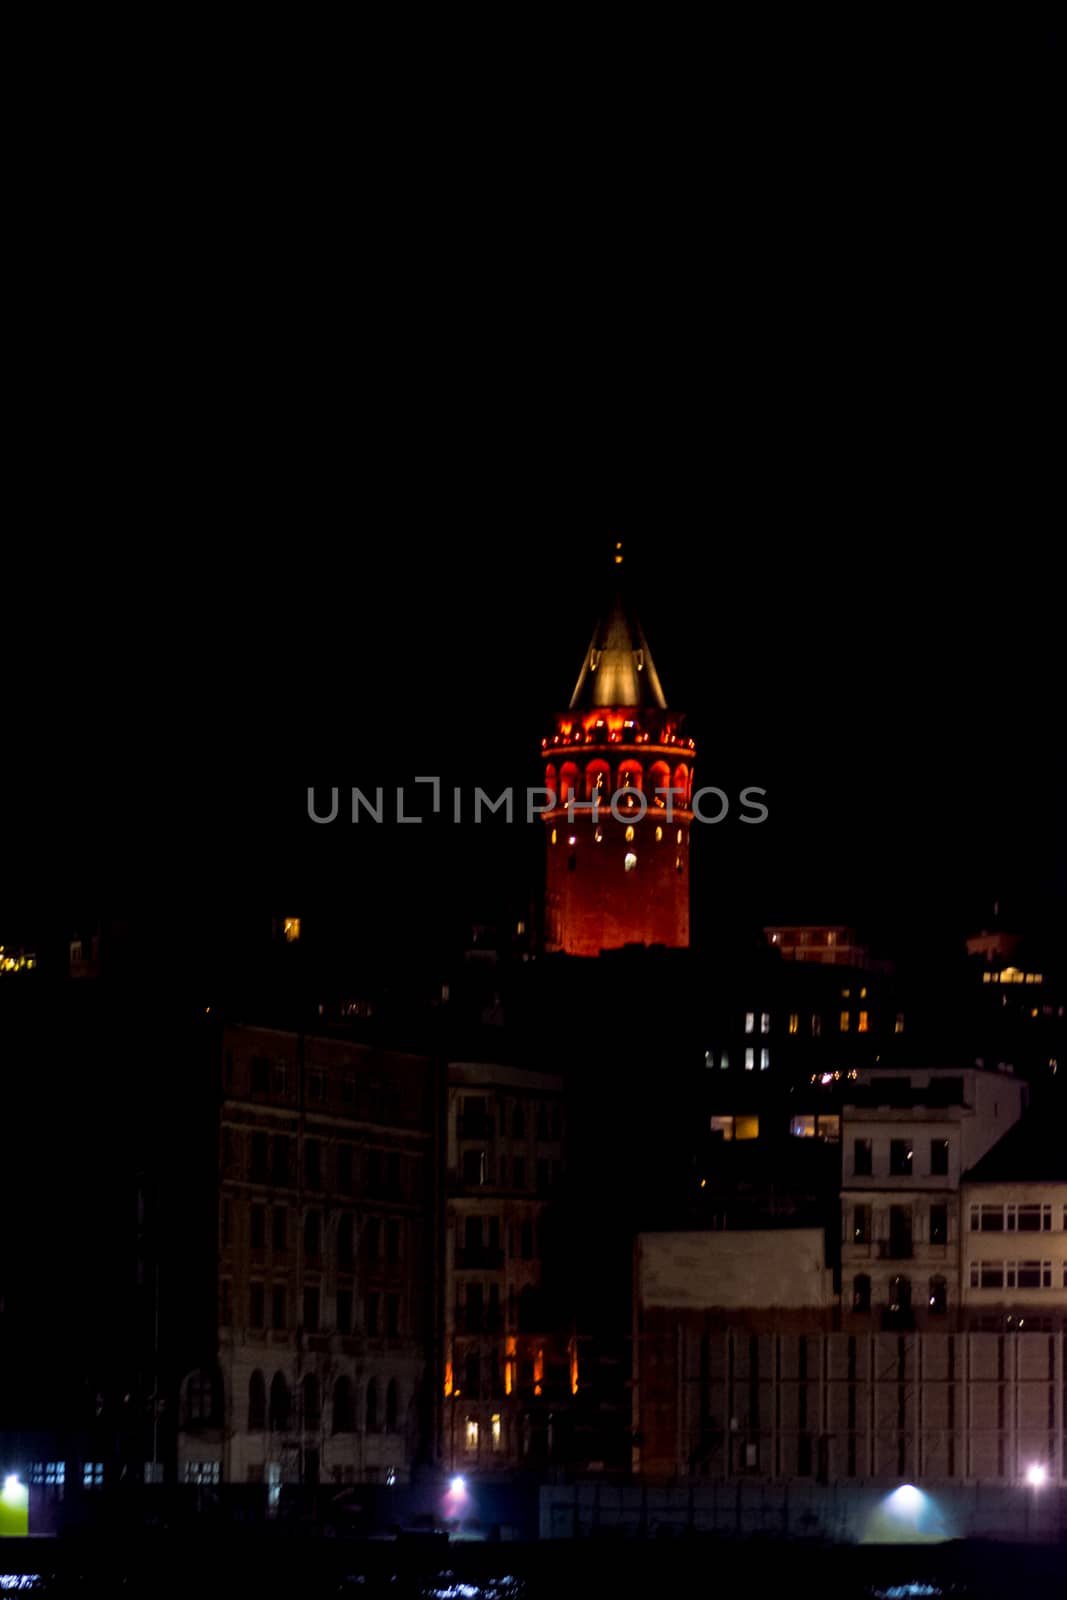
617 842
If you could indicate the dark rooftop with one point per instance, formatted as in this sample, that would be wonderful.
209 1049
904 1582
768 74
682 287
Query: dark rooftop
1033 1151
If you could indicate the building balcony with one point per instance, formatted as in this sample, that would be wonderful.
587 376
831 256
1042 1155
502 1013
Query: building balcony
484 1258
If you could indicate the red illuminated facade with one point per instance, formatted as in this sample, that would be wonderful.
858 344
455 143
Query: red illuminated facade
621 769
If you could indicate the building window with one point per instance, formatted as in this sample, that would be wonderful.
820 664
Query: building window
470 1435
258 1227
1031 1218
724 1062
279 1080
392 1241
898 1026
938 1158
862 1024
474 1164
392 1406
345 1248
629 834
862 1158
764 1060
816 1025
518 1172
199 1472
765 1022
52 1474
750 1060
311 1310
939 1224
256 1301
372 1239
257 1403
312 1234
794 1021
372 1406
280 1230
861 1225
802 1127
938 1295
844 1022
292 929
900 1158
861 1293
279 1404
828 1127
373 1302
344 1311
260 1075
280 1159
277 1301
313 1164
629 861
316 1086
258 1169
900 1294
495 1431
750 1021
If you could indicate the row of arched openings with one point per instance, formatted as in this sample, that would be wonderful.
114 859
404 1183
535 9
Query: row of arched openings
380 1409
596 779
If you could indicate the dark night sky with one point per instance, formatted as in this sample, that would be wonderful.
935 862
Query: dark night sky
807 379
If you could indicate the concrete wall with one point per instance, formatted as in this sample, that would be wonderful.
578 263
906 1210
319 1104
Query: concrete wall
750 1269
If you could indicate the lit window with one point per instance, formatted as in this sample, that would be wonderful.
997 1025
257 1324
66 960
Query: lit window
863 992
765 1022
553 835
750 1021
598 836
709 1058
829 1128
495 1429
678 838
724 1062
898 1026
802 1127
816 1025
750 1060
629 835
723 1126
199 1471
292 929
861 1026
794 1021
844 1022
764 1060
746 1127
51 1473
93 1474
629 861
659 835
846 994
471 1435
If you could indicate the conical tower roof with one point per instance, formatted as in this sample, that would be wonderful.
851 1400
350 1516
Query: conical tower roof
618 669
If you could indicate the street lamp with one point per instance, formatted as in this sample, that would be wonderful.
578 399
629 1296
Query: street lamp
1037 1475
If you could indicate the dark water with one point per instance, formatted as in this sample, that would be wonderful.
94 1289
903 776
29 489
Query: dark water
304 1570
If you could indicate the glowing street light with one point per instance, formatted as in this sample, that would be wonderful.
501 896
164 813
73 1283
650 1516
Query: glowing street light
458 1485
1036 1475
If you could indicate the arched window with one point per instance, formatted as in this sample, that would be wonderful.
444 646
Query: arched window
861 1293
343 1412
391 1406
257 1403
681 784
900 1294
279 1403
938 1295
569 781
659 777
310 1389
372 1406
552 779
345 1251
598 781
631 775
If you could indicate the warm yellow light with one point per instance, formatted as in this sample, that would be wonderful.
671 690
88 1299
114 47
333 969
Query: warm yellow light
659 835
746 1127
678 838
629 835
794 1021
292 929
862 1025
553 840
448 1378
703 1183
574 1365
472 1433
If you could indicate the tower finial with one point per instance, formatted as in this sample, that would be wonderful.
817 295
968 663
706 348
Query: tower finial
618 553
